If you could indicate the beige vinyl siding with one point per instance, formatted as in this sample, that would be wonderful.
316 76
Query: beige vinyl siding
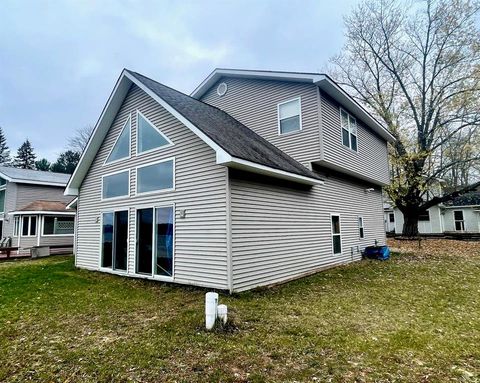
280 232
254 103
471 218
371 160
10 205
200 249
27 193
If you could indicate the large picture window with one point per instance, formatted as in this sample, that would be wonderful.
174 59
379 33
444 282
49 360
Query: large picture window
121 148
116 185
289 116
115 240
58 225
155 177
336 234
155 227
349 130
149 137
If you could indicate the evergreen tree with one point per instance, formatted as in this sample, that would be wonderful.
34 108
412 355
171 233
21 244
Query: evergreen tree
66 162
5 159
43 164
25 158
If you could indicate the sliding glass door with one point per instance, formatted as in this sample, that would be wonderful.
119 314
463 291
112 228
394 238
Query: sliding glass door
155 241
115 240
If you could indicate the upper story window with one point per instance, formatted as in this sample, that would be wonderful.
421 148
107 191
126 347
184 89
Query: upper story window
155 177
121 148
116 185
289 116
148 136
349 130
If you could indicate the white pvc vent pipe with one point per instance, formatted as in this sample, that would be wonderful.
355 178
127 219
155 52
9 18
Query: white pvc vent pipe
222 313
211 302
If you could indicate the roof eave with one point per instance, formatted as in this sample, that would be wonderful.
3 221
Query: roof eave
241 164
42 212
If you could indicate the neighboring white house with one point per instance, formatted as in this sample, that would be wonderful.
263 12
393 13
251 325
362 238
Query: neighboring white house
460 215
33 209
257 178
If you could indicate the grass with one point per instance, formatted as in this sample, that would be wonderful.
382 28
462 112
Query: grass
414 318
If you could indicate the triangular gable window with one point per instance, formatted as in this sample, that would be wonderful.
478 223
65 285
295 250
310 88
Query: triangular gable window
121 148
149 137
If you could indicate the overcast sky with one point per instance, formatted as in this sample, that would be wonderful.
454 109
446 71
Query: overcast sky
60 60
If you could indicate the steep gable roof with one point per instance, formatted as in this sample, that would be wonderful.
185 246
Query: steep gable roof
323 81
235 145
34 177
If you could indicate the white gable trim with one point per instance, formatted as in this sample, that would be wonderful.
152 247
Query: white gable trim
324 82
109 112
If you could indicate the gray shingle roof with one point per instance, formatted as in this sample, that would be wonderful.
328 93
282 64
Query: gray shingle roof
34 176
467 199
231 135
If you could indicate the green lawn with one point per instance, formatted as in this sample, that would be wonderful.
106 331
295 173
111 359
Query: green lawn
409 319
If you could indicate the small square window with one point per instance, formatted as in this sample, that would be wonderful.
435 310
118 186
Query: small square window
289 116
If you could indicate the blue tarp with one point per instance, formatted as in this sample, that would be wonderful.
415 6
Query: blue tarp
377 252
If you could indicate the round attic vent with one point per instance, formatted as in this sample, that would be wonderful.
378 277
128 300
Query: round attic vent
222 89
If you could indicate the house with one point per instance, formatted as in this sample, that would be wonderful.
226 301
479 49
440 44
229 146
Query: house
33 208
461 215
256 178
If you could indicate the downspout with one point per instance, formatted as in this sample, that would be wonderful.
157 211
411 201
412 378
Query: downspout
229 232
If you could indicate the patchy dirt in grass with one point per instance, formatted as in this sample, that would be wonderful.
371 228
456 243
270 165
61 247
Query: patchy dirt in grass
435 248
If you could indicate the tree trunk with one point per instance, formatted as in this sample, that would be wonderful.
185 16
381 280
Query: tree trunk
410 225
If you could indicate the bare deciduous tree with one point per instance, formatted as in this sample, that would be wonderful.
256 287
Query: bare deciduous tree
417 67
79 141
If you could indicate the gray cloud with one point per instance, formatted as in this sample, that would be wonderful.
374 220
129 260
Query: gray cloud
60 60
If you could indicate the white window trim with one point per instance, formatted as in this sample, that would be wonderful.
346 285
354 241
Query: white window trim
115 143
299 98
108 269
29 226
57 235
458 220
153 276
170 143
3 188
339 234
137 193
119 197
18 218
361 227
349 131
